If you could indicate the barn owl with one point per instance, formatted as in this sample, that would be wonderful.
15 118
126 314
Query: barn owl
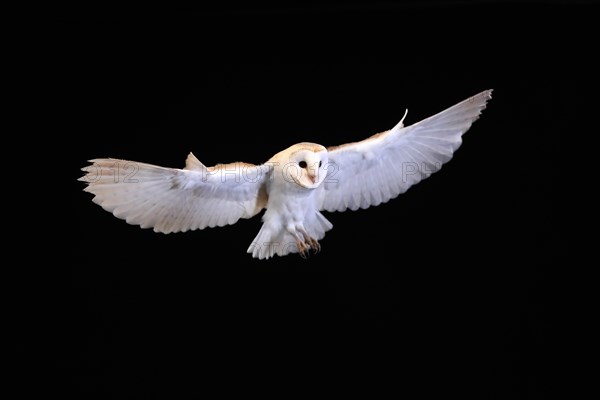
294 186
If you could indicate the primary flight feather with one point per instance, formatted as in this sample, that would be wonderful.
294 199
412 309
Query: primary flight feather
294 186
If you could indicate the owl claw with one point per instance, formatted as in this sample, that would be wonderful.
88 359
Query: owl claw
314 245
305 246
303 249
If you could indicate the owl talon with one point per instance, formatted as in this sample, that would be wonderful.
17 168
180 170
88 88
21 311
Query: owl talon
305 254
316 246
305 246
303 249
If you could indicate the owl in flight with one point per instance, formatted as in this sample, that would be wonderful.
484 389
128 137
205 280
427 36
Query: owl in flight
294 186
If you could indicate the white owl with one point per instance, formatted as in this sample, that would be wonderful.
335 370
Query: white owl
294 186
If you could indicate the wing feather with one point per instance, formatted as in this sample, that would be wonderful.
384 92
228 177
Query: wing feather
377 169
177 200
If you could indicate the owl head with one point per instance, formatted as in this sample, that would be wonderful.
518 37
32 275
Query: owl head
304 164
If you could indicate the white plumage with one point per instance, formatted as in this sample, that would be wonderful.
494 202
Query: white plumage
294 186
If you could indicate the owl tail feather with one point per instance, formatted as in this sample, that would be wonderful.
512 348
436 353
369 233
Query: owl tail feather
269 243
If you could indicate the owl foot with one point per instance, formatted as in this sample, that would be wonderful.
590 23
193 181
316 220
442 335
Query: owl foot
306 244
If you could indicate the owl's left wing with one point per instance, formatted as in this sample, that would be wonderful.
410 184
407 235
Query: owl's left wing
377 169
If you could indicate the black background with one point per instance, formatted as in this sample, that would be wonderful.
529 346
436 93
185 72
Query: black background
448 289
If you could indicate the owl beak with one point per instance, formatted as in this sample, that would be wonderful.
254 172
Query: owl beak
313 173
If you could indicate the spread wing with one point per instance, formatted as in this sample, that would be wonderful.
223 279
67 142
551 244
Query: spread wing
379 168
177 200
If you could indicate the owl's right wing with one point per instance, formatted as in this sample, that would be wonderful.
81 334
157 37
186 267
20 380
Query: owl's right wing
177 200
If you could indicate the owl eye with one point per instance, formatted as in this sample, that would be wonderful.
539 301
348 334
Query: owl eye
302 164
320 163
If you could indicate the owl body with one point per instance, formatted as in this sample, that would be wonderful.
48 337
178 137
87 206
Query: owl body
294 186
292 221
